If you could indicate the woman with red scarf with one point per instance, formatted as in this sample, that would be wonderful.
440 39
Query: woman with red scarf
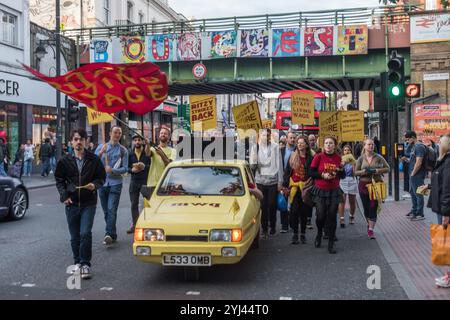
326 169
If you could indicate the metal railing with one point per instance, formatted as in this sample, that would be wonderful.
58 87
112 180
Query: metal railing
371 16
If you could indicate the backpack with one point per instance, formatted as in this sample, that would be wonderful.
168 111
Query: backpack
430 159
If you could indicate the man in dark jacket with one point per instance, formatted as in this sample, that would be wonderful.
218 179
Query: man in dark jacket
286 152
45 155
78 177
138 167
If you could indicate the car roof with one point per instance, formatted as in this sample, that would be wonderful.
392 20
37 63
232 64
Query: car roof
200 162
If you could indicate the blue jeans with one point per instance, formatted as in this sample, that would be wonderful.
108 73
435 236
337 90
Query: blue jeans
28 166
109 198
417 199
2 170
439 219
45 167
53 164
80 221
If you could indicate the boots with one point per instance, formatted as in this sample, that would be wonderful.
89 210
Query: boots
331 249
295 239
318 241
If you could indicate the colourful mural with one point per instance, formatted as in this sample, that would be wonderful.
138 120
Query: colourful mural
223 44
133 49
319 41
101 50
352 40
189 47
161 48
254 43
286 42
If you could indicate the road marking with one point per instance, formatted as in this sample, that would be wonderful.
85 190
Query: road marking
28 285
193 293
106 289
285 298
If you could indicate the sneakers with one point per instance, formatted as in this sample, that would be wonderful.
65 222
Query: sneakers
107 240
443 281
85 272
284 231
75 268
417 218
371 234
409 214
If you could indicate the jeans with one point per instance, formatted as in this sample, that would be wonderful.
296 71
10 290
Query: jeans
80 221
269 206
135 189
53 164
28 166
45 171
416 199
109 199
2 170
439 219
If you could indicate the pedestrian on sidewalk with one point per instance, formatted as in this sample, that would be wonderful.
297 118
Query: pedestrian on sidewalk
114 157
266 161
370 166
160 157
138 167
439 200
78 177
28 158
53 157
3 158
349 186
295 178
417 173
286 153
17 171
326 169
45 154
405 160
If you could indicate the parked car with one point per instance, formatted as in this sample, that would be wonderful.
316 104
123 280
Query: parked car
13 198
202 213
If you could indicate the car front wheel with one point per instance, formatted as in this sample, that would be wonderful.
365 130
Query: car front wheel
19 204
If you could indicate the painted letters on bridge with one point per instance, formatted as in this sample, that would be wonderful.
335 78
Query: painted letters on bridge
286 42
319 41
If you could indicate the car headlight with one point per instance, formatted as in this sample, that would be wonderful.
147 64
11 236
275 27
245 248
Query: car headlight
227 235
154 235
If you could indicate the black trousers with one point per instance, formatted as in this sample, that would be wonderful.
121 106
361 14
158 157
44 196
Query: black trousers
370 207
326 216
135 188
269 206
299 211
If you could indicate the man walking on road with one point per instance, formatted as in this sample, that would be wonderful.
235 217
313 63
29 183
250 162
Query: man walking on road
160 158
78 177
285 155
115 159
138 167
3 158
417 173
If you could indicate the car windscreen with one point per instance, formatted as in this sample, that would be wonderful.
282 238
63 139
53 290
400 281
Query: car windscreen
202 180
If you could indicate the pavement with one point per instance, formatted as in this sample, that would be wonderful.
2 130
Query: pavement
36 181
36 252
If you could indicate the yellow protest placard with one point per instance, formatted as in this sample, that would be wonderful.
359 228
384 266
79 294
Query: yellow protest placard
267 124
302 108
246 116
203 112
352 125
96 117
329 125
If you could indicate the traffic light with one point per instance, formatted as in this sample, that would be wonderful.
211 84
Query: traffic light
74 111
381 93
396 76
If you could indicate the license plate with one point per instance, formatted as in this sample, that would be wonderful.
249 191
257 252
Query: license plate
186 260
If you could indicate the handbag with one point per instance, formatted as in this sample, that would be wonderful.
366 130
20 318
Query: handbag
306 193
282 205
440 245
377 191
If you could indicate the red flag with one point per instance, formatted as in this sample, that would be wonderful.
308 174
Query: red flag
106 87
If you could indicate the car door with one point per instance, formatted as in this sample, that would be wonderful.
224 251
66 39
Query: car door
255 204
5 190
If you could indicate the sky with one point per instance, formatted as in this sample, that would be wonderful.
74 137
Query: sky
201 9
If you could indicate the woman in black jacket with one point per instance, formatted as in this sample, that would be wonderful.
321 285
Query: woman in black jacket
295 177
439 200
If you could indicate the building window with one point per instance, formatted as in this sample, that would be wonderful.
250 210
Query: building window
141 17
107 11
8 28
130 11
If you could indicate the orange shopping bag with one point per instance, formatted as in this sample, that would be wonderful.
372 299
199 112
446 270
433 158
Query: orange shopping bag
440 245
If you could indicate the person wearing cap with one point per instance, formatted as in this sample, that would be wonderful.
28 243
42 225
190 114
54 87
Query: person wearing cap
138 167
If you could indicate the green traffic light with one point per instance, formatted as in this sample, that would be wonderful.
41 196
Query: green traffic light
395 90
